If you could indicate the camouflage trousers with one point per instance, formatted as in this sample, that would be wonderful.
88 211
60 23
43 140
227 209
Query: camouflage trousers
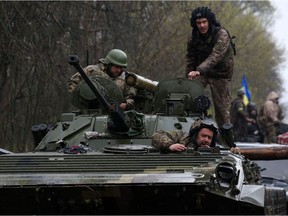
220 91
270 133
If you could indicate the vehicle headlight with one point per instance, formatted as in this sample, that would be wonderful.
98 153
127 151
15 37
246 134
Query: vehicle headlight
225 174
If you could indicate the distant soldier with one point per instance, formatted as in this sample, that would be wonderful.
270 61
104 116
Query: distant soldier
110 67
270 116
202 133
239 117
254 132
210 59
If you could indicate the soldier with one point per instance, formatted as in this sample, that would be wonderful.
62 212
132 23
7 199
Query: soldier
110 67
202 133
270 116
210 59
239 117
253 127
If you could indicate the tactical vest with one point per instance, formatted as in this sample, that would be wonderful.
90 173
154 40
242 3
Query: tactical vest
205 45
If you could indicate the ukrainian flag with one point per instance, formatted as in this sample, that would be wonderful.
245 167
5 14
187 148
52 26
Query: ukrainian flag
247 95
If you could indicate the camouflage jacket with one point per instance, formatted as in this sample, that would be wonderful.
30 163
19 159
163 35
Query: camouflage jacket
272 112
239 119
163 139
238 111
212 56
100 70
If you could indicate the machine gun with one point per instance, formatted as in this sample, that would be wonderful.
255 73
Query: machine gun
116 114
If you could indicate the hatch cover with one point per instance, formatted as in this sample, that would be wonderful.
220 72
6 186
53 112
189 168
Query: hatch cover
130 149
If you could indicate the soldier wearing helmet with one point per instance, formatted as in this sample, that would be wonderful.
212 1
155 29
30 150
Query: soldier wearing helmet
209 59
110 67
254 132
239 117
202 133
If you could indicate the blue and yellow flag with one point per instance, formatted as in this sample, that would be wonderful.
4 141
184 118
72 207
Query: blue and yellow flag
247 96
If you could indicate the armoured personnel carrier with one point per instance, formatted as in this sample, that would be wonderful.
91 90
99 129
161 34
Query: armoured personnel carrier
100 160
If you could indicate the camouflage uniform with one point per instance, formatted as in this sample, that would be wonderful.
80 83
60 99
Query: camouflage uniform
270 116
101 70
212 56
239 119
253 130
163 139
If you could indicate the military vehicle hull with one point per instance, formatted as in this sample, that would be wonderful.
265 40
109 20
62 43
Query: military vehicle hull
129 199
101 160
149 183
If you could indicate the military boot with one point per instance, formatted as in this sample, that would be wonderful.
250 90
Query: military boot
225 136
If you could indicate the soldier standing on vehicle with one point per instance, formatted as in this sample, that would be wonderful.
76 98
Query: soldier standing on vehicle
110 67
210 59
239 117
202 133
270 116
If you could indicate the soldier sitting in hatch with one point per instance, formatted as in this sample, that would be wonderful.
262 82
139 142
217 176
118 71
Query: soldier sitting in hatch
202 133
110 67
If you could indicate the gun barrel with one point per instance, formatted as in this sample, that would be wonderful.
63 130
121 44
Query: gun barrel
74 60
141 82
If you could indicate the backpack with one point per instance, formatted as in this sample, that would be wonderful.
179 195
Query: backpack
231 41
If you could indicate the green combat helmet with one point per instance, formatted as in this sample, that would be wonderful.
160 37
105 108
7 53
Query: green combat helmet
240 92
116 57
